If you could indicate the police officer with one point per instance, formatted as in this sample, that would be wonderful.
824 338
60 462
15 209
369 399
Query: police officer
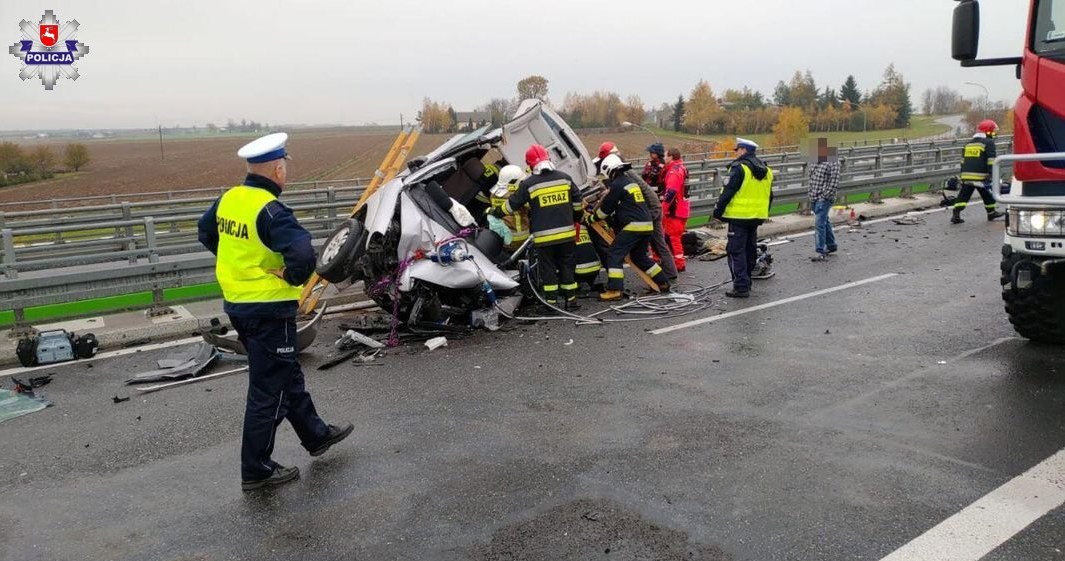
979 156
264 256
633 229
554 207
744 205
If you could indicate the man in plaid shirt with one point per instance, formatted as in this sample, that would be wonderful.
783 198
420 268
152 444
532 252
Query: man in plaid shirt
824 182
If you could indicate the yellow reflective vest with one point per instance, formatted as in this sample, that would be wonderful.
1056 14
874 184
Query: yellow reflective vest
752 200
244 262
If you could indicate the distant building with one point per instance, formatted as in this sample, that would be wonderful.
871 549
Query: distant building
466 121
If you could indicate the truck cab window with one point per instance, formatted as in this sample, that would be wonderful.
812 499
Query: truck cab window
1049 32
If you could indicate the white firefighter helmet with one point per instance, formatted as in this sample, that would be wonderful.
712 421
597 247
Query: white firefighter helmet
610 164
509 177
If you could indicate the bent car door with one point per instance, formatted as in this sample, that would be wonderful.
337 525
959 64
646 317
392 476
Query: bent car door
536 123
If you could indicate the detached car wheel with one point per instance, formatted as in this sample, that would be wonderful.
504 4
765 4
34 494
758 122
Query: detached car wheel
337 254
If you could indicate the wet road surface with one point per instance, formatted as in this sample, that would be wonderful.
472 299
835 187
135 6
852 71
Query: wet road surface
840 426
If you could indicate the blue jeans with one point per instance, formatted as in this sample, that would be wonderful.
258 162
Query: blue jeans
824 237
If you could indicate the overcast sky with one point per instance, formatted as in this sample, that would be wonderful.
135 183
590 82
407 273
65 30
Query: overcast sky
329 61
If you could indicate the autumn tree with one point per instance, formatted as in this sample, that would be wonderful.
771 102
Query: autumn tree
12 160
434 117
532 87
702 108
633 110
802 91
894 92
76 156
791 127
43 161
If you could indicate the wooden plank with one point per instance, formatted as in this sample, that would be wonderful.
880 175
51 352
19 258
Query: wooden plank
608 237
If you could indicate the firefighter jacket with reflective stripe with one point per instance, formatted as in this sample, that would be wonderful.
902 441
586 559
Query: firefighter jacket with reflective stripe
586 257
517 222
752 199
978 157
625 201
244 262
554 206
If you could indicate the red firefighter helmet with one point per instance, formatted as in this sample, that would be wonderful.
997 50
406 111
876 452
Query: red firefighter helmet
607 148
535 155
987 126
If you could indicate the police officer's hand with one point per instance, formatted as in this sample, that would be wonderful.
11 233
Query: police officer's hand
279 273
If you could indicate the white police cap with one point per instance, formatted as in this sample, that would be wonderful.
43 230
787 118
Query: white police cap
748 144
265 149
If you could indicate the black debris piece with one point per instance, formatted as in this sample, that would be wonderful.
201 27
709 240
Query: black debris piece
116 399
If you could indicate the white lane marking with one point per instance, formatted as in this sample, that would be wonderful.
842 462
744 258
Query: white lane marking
760 307
108 354
995 518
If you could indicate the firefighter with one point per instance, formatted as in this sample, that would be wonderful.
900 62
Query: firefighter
510 176
554 206
633 229
744 205
979 156
586 255
677 208
659 245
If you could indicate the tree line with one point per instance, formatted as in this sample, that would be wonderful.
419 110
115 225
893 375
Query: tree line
41 162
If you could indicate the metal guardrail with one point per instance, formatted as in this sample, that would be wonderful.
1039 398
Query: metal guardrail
149 242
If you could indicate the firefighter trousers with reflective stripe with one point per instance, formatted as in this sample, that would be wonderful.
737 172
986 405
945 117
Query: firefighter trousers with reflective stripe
555 264
966 193
634 246
275 392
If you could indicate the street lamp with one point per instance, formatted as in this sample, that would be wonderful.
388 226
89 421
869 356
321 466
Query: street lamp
627 124
987 96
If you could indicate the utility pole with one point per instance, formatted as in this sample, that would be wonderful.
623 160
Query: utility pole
401 121
162 155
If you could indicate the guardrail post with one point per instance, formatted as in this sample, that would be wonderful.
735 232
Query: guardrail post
131 243
21 328
876 197
331 211
149 237
10 272
2 225
158 307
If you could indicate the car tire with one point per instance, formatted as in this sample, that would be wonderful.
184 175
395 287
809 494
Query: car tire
340 250
1037 312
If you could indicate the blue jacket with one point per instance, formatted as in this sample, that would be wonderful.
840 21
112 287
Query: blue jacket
281 232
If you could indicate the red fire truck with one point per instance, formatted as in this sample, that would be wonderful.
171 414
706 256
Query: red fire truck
1033 255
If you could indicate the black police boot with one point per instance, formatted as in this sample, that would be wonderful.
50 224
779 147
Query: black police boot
336 434
738 294
993 214
281 474
956 218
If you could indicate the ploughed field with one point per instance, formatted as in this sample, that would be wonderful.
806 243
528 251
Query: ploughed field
131 166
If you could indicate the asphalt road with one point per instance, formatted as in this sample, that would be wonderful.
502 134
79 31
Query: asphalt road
836 427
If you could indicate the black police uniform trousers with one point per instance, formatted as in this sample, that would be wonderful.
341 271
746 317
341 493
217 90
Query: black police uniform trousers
742 249
966 193
633 245
556 264
275 391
